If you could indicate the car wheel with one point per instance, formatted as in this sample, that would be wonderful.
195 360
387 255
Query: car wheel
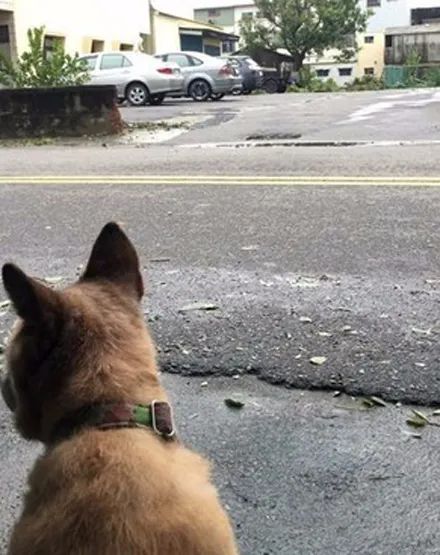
270 86
217 96
156 99
200 90
137 94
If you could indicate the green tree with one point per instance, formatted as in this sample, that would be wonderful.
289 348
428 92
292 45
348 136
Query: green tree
37 68
305 26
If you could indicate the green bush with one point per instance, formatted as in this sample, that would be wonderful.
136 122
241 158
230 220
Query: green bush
309 82
329 85
307 78
365 83
35 69
432 77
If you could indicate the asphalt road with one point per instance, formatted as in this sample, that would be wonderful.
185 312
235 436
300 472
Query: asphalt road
349 273
298 474
293 270
378 116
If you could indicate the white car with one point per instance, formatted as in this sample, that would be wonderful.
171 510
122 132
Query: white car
138 78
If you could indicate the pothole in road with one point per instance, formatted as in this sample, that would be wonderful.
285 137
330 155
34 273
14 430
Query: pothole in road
273 136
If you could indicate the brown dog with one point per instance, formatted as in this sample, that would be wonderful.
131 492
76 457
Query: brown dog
113 479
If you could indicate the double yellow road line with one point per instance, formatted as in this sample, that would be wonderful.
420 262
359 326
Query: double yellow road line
227 180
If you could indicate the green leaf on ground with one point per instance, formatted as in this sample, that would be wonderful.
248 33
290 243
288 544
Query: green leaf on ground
420 415
373 401
378 401
416 422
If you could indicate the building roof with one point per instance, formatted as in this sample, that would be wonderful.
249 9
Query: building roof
211 4
193 25
414 29
192 22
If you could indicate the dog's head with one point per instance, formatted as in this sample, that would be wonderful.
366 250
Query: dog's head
85 344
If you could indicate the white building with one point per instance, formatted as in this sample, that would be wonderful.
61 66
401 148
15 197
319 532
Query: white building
370 57
82 26
225 13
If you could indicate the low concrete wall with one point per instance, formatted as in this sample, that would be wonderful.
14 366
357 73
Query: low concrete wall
59 112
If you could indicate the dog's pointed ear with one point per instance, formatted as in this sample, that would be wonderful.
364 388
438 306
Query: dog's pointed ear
114 259
34 302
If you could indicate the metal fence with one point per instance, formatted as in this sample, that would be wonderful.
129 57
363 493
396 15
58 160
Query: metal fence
404 76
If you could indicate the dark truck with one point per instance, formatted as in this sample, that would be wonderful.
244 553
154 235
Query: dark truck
277 69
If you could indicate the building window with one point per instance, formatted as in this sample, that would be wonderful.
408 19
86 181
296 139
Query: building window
369 39
211 50
126 47
345 71
50 44
373 3
247 16
322 72
349 41
388 41
214 13
228 46
97 46
4 34
368 70
421 16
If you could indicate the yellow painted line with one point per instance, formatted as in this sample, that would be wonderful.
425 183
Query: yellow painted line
294 180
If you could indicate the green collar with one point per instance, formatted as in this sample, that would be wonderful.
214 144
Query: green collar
158 416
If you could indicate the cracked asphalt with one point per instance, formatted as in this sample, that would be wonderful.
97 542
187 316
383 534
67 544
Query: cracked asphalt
347 273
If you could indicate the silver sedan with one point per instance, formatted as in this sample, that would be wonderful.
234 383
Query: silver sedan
139 78
205 76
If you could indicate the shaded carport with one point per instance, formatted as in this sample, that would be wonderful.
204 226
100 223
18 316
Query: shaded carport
208 41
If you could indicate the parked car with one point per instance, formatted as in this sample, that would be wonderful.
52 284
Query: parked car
251 73
205 76
139 78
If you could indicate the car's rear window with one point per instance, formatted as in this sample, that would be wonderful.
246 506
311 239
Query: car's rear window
251 63
196 61
90 61
181 60
114 61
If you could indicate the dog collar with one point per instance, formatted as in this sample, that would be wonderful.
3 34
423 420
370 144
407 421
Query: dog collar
158 416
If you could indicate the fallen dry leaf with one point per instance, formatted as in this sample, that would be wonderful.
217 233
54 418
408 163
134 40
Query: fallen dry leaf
318 361
53 280
199 306
234 403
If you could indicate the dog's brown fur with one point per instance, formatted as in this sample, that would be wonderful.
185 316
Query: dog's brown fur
112 492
